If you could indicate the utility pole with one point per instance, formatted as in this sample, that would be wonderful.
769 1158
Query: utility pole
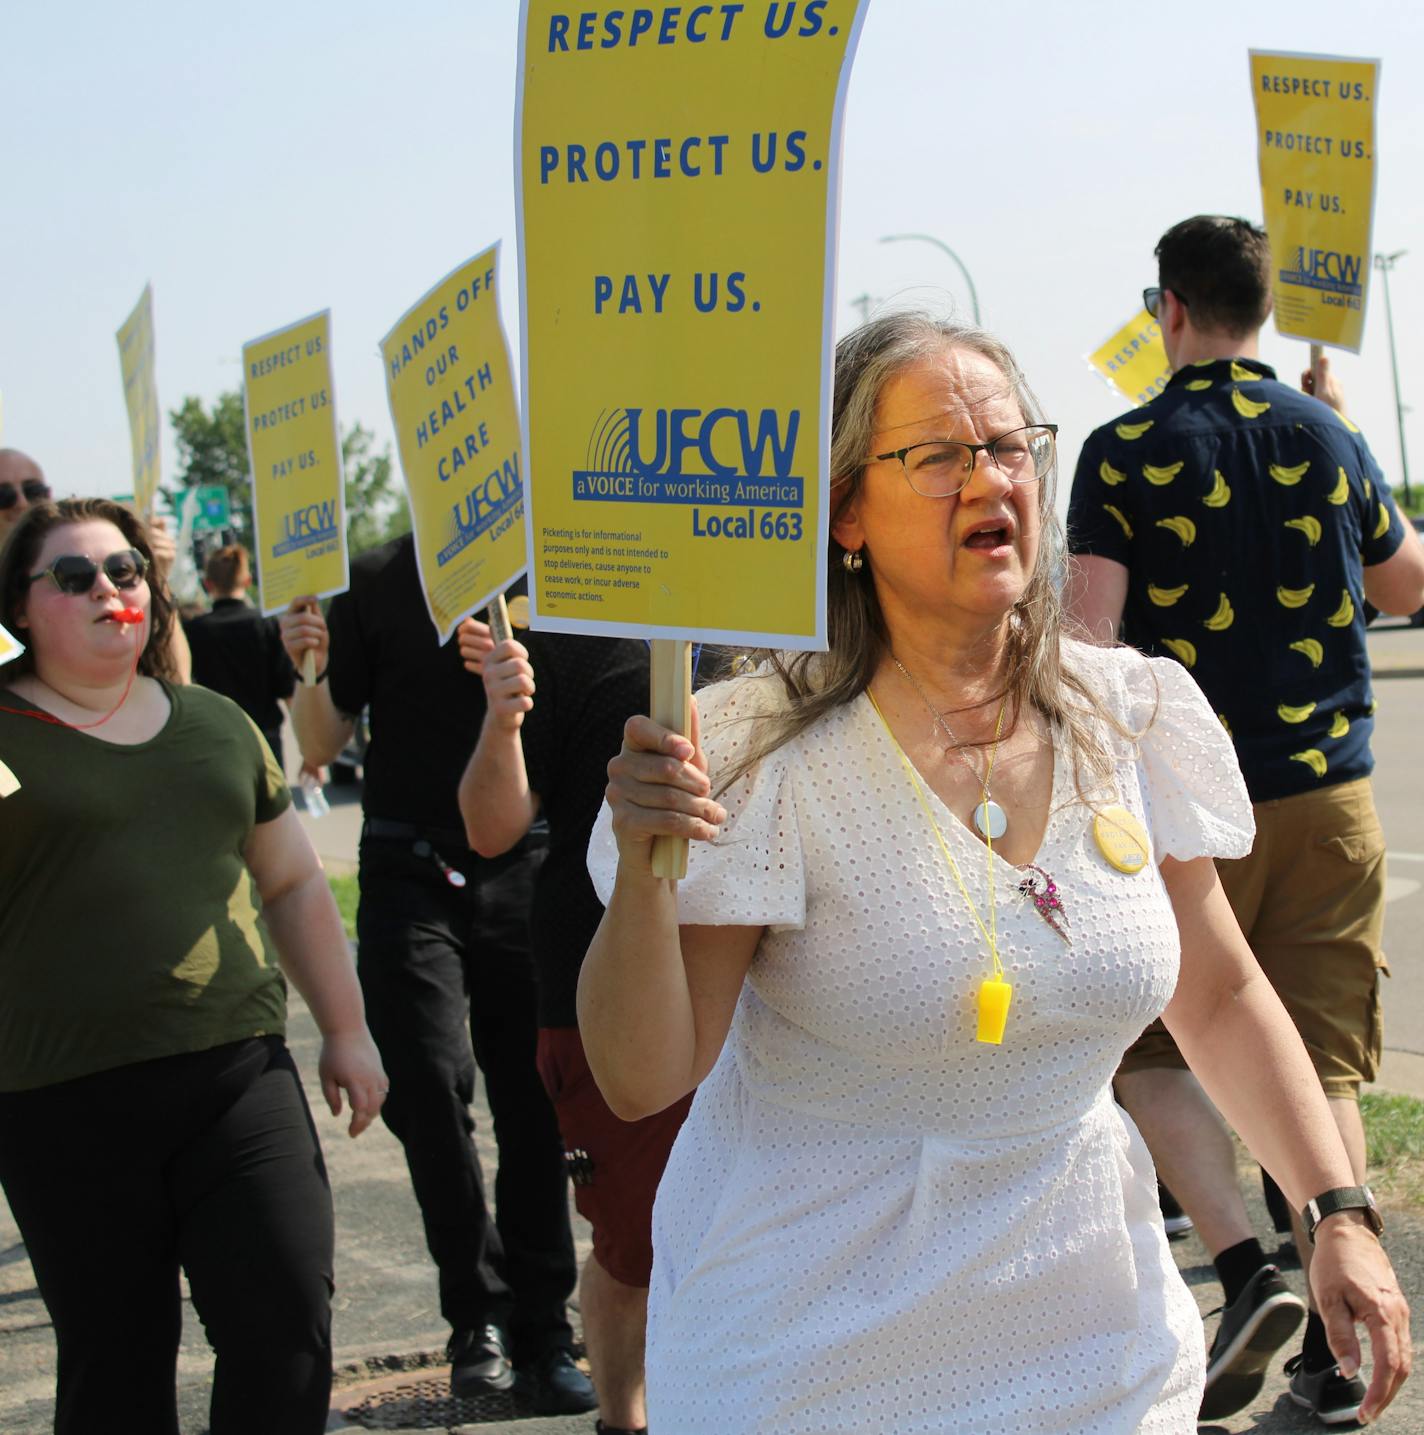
863 303
1384 263
943 247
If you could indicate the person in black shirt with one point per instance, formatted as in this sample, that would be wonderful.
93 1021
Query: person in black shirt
548 757
443 957
238 652
1241 526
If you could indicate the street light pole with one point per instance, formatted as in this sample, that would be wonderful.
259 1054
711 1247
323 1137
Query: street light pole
1384 263
940 244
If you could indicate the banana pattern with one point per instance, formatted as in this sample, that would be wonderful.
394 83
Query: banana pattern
1294 597
1159 476
1341 492
1197 385
1242 374
1340 726
1110 475
1165 597
1294 715
1128 432
1382 527
1247 408
1290 476
1184 528
1223 618
1118 514
1182 649
1313 758
1344 615
1309 525
1311 648
1220 494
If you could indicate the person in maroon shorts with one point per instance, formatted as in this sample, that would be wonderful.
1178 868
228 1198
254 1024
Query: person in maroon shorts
550 756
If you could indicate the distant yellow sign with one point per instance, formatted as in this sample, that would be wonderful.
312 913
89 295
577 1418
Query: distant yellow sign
299 514
10 647
678 176
1133 360
135 338
1315 121
451 392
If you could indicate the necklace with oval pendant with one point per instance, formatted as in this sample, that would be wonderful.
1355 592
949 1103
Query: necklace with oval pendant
990 820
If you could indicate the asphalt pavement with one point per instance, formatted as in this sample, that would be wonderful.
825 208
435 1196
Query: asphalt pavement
388 1334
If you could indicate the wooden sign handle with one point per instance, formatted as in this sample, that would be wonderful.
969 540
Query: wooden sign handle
309 668
1317 352
671 705
497 616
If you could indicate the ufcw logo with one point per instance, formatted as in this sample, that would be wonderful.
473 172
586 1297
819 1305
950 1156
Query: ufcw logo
668 455
306 527
1325 269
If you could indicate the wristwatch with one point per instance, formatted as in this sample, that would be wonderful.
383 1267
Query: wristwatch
1342 1198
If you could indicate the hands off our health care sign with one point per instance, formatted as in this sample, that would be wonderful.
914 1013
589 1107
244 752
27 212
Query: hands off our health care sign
1315 120
451 393
678 174
1133 361
135 339
299 514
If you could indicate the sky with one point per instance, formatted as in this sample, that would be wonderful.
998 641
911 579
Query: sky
259 162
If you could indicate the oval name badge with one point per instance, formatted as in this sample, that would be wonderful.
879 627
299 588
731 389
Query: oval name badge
1122 840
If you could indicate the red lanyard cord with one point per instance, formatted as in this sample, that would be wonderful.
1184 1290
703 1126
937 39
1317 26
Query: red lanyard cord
124 615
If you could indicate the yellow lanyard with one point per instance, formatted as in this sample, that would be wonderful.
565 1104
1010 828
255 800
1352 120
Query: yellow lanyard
994 992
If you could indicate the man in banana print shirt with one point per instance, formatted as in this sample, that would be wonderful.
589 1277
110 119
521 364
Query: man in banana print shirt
1241 526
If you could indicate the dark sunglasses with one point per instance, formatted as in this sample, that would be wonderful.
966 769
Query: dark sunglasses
1152 299
34 489
73 573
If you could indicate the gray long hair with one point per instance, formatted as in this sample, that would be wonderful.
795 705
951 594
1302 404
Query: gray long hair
818 683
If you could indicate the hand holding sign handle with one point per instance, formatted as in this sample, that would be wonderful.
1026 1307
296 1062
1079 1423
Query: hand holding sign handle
672 707
497 616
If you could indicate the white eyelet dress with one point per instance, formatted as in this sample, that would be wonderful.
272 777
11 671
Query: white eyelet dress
870 1221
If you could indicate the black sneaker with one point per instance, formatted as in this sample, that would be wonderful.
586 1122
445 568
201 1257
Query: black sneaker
1253 1328
479 1363
1326 1393
1175 1220
551 1384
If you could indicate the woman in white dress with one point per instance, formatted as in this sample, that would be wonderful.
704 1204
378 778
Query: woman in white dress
878 1216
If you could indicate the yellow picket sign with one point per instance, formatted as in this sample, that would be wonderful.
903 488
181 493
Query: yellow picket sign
1315 122
135 339
678 173
452 399
1133 360
10 647
299 514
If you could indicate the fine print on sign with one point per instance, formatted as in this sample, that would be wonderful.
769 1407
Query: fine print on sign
299 514
450 386
1315 121
136 363
1133 361
678 172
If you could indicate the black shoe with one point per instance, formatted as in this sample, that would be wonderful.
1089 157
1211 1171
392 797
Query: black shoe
1175 1220
479 1364
1253 1328
551 1384
1326 1393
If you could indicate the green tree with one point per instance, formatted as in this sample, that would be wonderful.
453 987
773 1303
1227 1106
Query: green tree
212 449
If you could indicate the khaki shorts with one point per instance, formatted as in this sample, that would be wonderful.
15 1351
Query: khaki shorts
1310 900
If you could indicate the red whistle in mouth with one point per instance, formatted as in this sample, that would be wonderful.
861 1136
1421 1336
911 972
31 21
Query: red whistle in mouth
128 615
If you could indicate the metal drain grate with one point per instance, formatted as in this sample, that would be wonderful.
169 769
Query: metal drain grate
428 1405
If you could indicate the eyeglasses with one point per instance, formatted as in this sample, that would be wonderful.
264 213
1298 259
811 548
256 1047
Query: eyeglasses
34 489
1152 298
941 467
74 573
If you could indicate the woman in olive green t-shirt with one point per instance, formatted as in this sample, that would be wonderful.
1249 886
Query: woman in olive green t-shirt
154 887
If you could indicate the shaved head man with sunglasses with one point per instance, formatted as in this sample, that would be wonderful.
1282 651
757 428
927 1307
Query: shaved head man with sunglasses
22 482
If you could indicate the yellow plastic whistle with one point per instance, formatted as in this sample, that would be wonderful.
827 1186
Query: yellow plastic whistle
994 998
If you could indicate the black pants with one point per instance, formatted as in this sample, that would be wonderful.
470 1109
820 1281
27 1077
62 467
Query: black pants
208 1161
449 983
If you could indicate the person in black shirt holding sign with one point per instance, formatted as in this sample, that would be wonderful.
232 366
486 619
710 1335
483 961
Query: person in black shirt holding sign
443 941
547 757
236 651
1241 526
